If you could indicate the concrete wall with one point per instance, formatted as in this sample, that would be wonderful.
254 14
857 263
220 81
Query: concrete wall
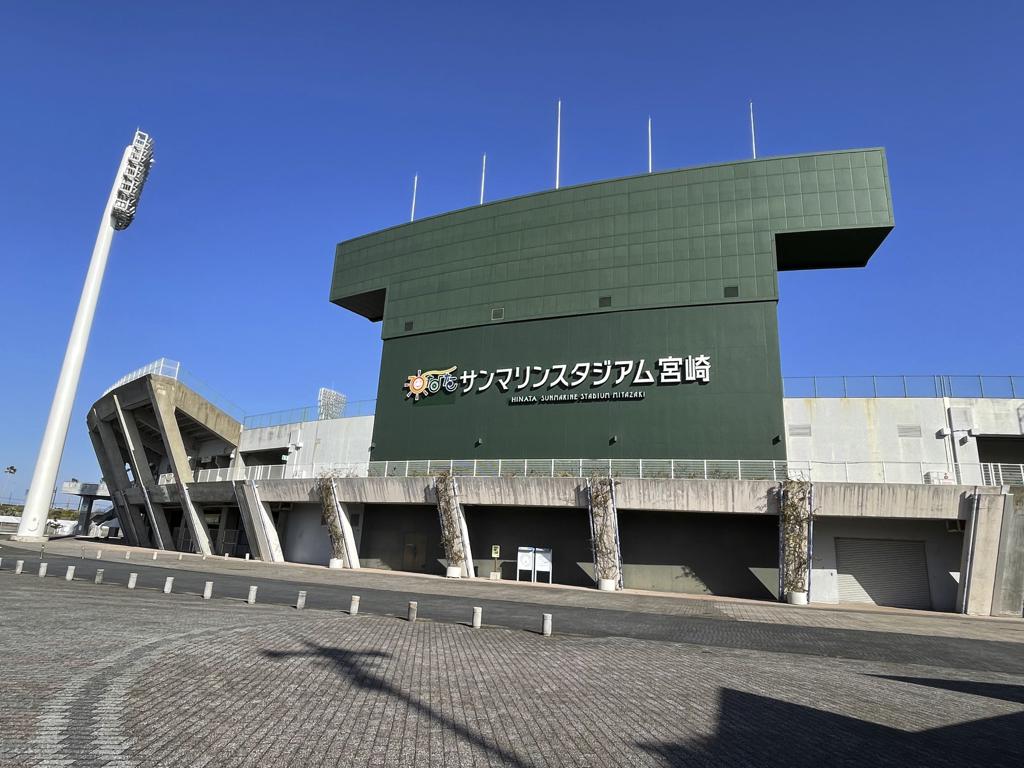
402 537
328 441
866 430
942 552
305 536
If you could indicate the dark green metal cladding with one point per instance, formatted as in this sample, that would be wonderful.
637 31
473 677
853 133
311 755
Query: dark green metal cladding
661 265
737 415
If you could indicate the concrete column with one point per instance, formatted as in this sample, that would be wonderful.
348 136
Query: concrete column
258 524
163 407
980 558
85 517
604 531
1008 589
132 525
222 525
162 538
339 524
453 520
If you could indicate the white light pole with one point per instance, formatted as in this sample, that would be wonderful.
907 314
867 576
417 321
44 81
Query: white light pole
117 215
558 146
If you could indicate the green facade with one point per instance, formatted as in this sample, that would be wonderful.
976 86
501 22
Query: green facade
669 265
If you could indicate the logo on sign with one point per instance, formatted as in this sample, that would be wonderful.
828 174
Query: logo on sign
423 383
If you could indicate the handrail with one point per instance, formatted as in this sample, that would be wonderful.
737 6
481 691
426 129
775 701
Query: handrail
905 472
351 409
936 385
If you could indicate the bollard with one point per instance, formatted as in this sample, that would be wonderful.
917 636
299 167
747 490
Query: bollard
99 576
154 555
168 584
132 578
128 555
413 605
353 608
545 627
204 557
252 595
19 566
99 554
226 555
300 603
42 570
478 614
70 575
1 562
208 590
179 557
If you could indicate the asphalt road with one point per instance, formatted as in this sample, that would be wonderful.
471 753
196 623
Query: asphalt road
709 628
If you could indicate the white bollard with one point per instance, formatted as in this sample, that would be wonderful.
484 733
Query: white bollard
154 555
99 554
252 595
42 570
226 555
413 608
179 557
478 614
128 555
545 628
300 602
204 557
168 584
353 608
1 562
19 566
99 576
132 579
70 575
208 590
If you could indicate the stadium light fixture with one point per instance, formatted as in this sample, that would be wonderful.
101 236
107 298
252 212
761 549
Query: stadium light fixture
117 215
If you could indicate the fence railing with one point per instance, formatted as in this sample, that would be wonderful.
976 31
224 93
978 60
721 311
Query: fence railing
307 413
904 386
172 369
914 473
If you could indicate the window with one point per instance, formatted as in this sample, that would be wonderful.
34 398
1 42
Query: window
732 291
498 313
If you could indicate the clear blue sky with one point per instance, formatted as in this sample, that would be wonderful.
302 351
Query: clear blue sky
283 128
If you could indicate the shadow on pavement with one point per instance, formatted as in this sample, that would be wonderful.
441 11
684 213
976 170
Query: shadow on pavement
761 731
360 668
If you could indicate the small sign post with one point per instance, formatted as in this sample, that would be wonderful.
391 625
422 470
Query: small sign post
495 554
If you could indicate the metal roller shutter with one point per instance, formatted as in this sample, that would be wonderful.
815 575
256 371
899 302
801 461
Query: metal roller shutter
890 572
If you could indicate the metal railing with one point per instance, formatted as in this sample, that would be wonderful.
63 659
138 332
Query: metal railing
307 413
172 369
907 472
904 386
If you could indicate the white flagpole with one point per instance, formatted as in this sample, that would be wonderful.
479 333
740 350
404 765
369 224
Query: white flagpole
483 177
650 152
753 141
415 183
558 146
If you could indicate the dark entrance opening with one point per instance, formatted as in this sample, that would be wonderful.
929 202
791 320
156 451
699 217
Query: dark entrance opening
700 553
402 537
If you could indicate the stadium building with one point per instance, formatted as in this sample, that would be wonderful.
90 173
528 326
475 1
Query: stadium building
584 385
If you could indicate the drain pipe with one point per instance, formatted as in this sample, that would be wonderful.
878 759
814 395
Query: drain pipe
971 534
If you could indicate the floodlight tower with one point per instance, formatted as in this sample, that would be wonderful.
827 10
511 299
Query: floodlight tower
117 215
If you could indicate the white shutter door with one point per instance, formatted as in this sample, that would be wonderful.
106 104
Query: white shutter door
883 572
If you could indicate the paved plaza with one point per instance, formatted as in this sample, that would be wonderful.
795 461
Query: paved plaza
97 675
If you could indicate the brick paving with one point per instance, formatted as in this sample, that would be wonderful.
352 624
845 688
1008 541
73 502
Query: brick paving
100 676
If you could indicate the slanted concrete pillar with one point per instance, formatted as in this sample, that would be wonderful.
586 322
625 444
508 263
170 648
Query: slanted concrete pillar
454 530
222 525
258 524
604 533
132 525
85 517
339 524
979 563
1008 594
174 445
161 531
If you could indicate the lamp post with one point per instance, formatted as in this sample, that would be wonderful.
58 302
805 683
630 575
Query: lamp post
117 215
